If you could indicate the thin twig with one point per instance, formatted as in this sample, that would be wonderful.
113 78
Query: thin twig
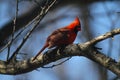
18 34
15 19
44 11
54 65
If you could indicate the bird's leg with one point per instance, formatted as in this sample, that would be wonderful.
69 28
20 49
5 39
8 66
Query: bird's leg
60 49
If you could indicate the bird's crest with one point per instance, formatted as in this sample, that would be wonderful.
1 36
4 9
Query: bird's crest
75 23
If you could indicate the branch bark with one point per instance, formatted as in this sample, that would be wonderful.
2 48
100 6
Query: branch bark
86 49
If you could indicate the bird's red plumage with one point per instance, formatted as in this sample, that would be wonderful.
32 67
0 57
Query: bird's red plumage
62 36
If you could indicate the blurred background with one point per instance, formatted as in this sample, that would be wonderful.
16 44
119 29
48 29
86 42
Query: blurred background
97 18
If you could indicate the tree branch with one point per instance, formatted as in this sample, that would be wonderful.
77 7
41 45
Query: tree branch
104 36
84 49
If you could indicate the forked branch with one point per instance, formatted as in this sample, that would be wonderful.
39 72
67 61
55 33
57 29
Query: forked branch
85 49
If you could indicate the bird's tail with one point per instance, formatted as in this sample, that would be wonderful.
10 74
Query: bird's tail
40 52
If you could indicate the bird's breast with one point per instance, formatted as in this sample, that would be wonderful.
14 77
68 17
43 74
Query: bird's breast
71 37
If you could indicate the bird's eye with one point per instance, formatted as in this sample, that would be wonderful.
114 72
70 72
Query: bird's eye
77 27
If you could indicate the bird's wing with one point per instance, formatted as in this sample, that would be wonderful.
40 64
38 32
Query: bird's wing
58 37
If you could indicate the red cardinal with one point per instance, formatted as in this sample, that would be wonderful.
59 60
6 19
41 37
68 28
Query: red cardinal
62 36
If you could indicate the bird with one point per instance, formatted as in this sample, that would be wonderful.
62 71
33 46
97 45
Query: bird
62 36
